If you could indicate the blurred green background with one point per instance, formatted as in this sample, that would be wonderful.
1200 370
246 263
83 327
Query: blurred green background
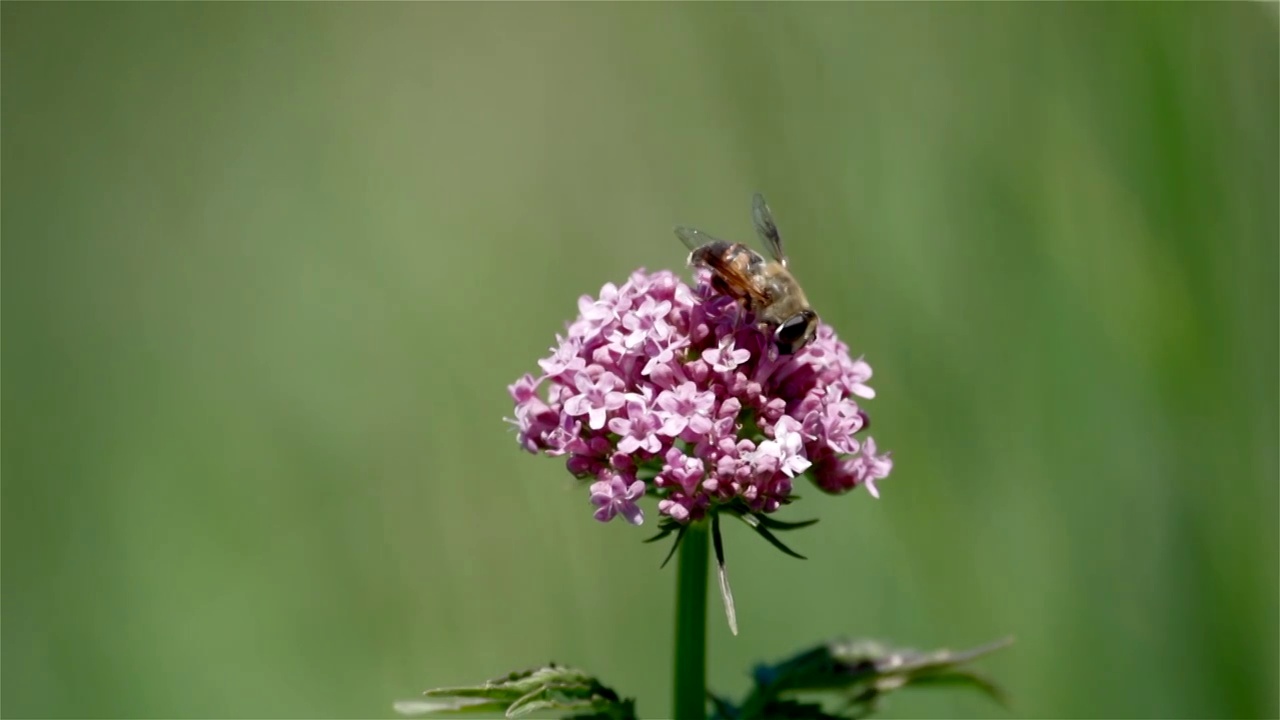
268 269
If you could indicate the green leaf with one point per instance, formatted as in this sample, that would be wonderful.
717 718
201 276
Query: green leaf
452 706
964 678
724 710
762 524
672 552
665 528
796 710
552 687
722 572
754 522
774 524
910 662
861 673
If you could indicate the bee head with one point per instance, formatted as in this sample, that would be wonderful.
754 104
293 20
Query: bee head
796 332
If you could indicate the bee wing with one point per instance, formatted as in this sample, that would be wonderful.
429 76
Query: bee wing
694 238
766 228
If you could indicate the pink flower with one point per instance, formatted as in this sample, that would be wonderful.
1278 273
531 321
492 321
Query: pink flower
724 357
685 407
534 418
682 471
647 322
676 384
787 447
564 359
841 474
857 376
595 398
638 430
600 312
662 354
614 497
873 467
834 420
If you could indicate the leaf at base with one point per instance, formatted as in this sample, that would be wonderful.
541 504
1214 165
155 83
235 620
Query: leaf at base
797 710
724 710
462 705
552 687
862 672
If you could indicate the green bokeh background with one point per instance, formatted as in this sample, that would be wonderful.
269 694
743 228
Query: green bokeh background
268 269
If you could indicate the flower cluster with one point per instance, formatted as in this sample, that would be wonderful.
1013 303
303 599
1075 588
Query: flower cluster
664 389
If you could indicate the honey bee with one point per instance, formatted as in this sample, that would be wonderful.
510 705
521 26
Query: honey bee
765 287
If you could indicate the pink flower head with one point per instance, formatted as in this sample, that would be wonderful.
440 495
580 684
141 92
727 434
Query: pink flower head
673 391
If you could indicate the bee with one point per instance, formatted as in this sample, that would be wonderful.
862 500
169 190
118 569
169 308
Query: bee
764 286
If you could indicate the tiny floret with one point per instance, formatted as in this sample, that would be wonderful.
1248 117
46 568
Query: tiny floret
663 389
613 496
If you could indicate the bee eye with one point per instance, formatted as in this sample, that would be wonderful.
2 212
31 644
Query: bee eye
793 333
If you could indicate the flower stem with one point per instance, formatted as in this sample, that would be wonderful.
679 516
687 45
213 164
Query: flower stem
690 702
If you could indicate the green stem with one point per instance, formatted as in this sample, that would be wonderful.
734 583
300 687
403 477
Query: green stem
691 626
